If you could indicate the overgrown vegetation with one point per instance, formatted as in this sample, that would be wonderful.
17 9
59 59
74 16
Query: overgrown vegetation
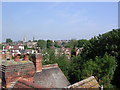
100 57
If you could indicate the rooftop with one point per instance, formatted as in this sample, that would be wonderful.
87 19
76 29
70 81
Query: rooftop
51 78
90 82
25 84
12 62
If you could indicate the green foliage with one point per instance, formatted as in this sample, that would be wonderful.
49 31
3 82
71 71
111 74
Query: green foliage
71 44
63 44
83 43
56 45
108 42
49 43
29 40
21 57
75 69
25 47
30 57
50 58
102 68
1 46
63 63
41 44
100 57
8 40
105 43
35 40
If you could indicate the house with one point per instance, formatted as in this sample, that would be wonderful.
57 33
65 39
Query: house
67 51
77 51
19 73
23 73
31 44
13 48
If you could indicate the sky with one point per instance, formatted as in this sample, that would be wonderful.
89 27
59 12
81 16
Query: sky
0 22
119 14
57 20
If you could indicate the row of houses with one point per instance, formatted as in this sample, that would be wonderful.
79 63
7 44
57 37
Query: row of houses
20 48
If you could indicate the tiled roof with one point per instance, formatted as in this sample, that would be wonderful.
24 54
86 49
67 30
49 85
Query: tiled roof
12 62
90 82
15 47
51 78
25 84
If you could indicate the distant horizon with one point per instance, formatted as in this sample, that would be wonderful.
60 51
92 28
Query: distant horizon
57 20
58 39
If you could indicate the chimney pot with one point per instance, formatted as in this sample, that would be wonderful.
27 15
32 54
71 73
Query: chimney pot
26 57
17 57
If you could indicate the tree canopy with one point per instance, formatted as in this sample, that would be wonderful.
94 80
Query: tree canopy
49 43
99 46
8 40
41 44
100 57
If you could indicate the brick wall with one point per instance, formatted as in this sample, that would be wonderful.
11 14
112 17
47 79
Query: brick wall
11 73
37 60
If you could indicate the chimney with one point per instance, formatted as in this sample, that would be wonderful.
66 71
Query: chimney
37 60
17 57
26 57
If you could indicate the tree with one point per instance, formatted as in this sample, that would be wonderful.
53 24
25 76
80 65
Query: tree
29 40
71 44
100 57
41 44
1 46
64 64
50 58
83 43
56 45
35 41
8 40
63 44
105 43
74 71
25 46
49 43
102 68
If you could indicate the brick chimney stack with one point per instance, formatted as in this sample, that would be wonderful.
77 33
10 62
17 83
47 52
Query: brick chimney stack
37 60
17 57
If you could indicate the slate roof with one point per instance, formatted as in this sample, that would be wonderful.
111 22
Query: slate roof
90 82
51 78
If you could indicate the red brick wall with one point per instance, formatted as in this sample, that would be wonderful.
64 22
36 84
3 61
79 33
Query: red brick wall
37 59
13 72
